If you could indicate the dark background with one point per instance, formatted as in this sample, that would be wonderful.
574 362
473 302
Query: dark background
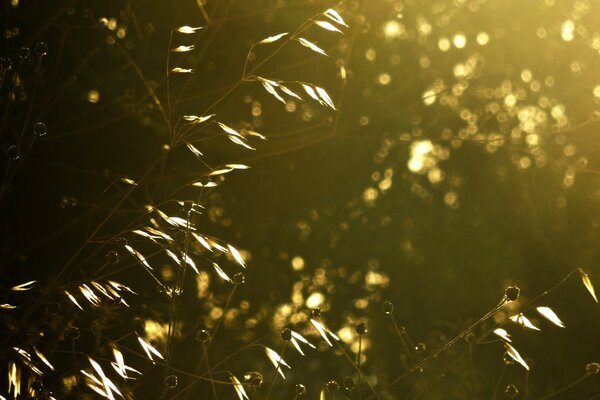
518 204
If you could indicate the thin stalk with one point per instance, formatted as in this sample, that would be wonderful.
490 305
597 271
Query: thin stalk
77 383
500 379
449 344
209 371
280 353
565 388
176 301
358 365
358 370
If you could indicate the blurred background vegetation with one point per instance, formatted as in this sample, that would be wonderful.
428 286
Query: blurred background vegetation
461 160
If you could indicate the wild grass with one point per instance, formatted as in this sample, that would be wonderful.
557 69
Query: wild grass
148 305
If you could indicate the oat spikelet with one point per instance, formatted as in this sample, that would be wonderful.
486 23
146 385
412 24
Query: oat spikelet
587 282
550 315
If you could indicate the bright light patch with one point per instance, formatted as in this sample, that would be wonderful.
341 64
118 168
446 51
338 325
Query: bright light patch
315 300
393 29
483 38
459 40
567 30
444 44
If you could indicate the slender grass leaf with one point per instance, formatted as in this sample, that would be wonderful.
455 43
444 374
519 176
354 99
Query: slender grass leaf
334 16
239 388
312 46
276 360
23 286
524 322
236 255
514 354
550 315
328 26
587 282
273 38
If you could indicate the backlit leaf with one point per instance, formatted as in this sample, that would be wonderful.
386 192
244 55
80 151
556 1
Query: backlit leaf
195 119
43 358
194 150
70 296
208 184
220 171
502 334
182 49
273 38
239 388
269 87
325 97
587 282
149 349
276 360
138 255
311 92
258 135
550 315
334 16
328 26
221 273
236 255
524 322
288 91
237 166
312 46
178 70
229 130
202 240
298 337
323 331
128 181
514 354
241 142
189 29
23 286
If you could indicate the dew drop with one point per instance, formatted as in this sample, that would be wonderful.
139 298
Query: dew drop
5 64
187 206
122 242
40 49
13 152
37 386
254 378
171 381
39 129
316 312
239 278
23 53
512 293
202 336
112 257
286 334
592 368
361 328
508 360
511 391
73 333
332 386
53 308
349 383
300 389
388 307
421 347
93 96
